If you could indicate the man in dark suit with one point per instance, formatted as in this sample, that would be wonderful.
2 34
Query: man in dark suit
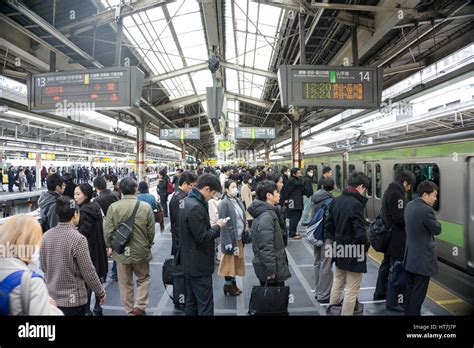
187 180
196 245
393 208
421 261
105 198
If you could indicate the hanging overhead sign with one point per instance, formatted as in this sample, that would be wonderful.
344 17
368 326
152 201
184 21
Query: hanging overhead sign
225 145
180 134
336 87
90 89
254 133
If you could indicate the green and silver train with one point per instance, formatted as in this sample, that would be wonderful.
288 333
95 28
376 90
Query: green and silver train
447 160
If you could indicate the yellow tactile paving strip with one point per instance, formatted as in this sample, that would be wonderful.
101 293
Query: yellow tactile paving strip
436 293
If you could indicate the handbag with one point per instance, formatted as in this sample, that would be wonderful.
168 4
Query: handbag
246 237
123 232
269 300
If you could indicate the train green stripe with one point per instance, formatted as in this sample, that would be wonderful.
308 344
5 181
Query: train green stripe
435 150
422 151
452 233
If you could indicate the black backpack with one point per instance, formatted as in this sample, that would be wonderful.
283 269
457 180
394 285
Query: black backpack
379 235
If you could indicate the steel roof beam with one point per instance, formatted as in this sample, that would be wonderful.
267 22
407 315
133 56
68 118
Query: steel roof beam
35 18
249 100
108 16
384 22
249 70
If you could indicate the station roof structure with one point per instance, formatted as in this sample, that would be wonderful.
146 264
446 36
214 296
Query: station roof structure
171 42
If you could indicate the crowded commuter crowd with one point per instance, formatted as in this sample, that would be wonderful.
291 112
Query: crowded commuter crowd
213 214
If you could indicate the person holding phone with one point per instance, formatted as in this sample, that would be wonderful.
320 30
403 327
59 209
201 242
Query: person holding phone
232 264
196 247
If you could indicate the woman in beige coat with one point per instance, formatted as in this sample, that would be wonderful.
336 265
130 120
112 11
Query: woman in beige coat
247 197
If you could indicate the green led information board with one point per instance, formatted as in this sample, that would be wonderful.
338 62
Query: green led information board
330 87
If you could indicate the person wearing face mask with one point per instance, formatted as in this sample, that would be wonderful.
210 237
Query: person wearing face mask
16 233
247 197
91 226
232 263
307 194
66 262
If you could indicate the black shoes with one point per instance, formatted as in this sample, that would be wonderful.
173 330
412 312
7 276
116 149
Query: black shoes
323 301
396 308
379 297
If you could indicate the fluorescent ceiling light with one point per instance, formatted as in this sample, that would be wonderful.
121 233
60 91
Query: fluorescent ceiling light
37 118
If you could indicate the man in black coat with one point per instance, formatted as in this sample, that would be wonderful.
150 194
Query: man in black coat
345 225
196 245
1 180
294 195
70 185
327 173
421 261
393 208
105 197
187 180
11 179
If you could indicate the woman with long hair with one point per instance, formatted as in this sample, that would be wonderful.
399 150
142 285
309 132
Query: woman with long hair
91 226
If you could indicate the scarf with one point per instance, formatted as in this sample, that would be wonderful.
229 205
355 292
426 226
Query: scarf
198 196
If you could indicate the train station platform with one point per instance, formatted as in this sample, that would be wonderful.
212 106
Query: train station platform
302 301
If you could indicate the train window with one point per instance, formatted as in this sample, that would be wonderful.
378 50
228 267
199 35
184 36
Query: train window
352 169
422 171
378 181
338 177
368 171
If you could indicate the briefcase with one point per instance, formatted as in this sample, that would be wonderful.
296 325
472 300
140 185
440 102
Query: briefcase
169 268
269 300
179 289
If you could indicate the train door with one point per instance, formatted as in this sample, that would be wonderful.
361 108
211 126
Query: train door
373 170
470 220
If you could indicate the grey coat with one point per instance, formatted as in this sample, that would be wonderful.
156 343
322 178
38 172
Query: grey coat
230 233
267 243
421 226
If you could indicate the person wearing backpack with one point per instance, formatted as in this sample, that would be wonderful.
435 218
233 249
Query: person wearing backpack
47 201
392 212
345 225
21 291
322 262
163 190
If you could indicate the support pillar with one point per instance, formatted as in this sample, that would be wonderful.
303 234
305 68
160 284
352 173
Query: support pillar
38 171
267 153
141 151
254 156
183 154
295 142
